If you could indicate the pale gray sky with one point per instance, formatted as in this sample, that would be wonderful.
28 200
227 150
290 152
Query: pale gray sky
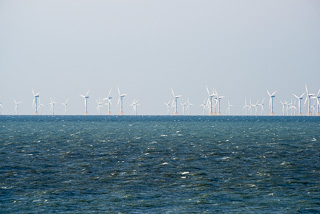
242 48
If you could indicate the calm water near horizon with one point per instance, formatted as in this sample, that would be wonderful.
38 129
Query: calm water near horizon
159 164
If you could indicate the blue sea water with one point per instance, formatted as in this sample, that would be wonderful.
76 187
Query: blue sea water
159 164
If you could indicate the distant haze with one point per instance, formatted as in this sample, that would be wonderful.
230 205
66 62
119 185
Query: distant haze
63 48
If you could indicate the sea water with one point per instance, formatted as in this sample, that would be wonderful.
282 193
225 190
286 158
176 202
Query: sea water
159 164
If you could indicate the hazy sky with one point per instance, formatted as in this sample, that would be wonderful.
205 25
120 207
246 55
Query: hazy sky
62 48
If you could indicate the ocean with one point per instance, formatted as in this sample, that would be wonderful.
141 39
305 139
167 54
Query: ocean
159 164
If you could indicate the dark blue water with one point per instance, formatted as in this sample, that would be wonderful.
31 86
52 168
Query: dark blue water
159 164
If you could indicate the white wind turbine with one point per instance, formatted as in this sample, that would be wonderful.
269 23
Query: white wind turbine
16 104
210 99
65 106
40 106
283 104
246 107
271 96
219 98
318 103
0 105
204 105
255 107
175 102
100 105
313 107
134 105
188 106
261 105
35 101
168 106
52 103
309 95
120 101
183 107
299 103
229 108
108 99
85 102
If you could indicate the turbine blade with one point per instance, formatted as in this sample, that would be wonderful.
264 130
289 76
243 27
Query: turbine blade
172 92
269 93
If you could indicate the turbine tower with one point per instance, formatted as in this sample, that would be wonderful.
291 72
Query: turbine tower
35 101
108 99
219 98
211 96
120 101
175 102
309 95
65 106
168 106
85 102
134 105
299 103
52 102
272 96
16 105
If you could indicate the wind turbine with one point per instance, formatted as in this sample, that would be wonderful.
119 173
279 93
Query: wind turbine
168 106
255 106
308 100
16 105
108 99
183 107
175 102
120 101
272 96
40 106
85 102
100 105
52 102
261 105
65 106
211 97
0 105
318 103
312 107
35 101
229 107
134 105
204 105
219 100
299 104
188 106
246 107
283 104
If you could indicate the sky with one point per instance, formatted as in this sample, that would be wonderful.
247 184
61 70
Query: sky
63 48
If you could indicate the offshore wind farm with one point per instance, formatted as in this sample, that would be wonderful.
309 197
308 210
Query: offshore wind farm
211 105
145 106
